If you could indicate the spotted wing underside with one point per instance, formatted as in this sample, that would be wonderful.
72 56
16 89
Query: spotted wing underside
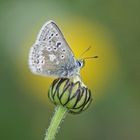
51 55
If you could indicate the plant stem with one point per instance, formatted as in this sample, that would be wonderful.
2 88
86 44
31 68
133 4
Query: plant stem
59 115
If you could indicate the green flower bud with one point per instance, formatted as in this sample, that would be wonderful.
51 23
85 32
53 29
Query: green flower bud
70 94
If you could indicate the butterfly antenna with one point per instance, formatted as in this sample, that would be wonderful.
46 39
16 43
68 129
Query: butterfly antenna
90 57
85 51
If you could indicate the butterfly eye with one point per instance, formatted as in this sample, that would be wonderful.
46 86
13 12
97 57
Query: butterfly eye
79 63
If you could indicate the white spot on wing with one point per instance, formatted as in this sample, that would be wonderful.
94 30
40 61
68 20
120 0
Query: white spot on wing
57 62
52 57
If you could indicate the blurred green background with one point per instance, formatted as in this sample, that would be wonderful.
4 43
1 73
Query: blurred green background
112 27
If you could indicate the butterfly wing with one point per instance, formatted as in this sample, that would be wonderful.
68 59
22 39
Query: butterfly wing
51 55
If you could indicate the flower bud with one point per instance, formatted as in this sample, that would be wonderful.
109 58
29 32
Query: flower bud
70 94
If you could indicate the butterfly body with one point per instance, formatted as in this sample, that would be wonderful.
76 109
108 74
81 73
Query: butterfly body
51 55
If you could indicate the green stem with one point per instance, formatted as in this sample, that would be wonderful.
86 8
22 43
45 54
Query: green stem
59 115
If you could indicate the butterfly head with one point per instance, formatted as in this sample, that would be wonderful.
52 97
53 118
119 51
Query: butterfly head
80 63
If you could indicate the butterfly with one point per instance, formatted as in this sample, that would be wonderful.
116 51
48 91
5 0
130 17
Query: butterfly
51 55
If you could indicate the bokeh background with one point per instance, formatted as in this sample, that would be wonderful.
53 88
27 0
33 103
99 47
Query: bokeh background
112 28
